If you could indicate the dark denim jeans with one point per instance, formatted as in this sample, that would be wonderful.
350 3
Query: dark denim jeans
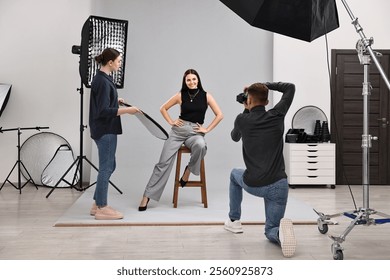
106 150
275 200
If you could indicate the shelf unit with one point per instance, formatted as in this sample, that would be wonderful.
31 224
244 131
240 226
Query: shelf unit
310 163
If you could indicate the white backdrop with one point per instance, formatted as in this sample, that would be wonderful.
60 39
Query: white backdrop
165 39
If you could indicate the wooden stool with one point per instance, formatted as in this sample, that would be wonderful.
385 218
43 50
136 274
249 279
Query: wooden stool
201 183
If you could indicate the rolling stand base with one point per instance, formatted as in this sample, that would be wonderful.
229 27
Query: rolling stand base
359 217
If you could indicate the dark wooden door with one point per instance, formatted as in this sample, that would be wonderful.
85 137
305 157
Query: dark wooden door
347 118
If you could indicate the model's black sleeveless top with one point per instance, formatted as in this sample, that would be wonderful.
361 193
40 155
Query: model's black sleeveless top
193 106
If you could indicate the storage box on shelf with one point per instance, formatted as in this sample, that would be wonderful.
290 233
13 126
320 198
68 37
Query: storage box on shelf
310 163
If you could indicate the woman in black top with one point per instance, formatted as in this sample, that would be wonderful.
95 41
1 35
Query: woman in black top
188 129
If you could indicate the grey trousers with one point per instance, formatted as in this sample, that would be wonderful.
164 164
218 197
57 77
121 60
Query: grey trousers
178 135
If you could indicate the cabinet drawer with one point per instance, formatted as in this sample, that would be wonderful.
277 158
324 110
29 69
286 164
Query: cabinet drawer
313 147
311 153
312 164
312 180
311 172
312 158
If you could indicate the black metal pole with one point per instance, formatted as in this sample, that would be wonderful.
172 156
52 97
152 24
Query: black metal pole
82 127
19 175
81 157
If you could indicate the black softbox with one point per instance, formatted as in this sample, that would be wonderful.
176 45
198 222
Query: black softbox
301 19
5 91
97 34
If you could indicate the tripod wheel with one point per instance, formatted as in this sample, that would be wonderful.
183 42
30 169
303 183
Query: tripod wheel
324 229
338 255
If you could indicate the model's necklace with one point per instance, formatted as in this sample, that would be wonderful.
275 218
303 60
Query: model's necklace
192 96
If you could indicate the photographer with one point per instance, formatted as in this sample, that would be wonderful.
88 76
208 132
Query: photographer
262 132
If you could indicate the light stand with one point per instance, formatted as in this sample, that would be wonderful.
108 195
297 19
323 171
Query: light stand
81 156
97 34
19 163
361 216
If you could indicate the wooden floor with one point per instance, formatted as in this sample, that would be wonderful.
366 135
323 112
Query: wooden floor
27 232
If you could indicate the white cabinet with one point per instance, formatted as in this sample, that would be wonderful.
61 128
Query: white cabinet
310 163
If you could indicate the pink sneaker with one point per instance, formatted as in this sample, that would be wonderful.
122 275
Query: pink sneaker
107 213
94 207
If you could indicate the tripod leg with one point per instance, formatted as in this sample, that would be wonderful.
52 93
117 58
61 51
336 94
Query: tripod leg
98 170
19 187
63 176
78 171
6 180
112 184
29 176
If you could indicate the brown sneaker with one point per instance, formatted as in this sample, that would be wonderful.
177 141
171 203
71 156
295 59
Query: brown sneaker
94 207
107 213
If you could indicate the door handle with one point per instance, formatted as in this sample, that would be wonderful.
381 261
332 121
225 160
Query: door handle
384 122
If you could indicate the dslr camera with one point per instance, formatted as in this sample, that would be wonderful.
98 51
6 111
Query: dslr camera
242 97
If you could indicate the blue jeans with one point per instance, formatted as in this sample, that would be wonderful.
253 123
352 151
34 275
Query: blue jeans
106 150
275 200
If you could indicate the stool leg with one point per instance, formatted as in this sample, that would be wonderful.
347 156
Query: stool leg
203 183
177 176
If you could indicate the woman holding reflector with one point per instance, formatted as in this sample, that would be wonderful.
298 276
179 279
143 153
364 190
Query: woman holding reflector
188 129
105 125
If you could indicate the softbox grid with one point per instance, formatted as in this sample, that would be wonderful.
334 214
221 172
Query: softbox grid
99 33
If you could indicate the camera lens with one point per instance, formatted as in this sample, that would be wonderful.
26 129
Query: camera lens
241 97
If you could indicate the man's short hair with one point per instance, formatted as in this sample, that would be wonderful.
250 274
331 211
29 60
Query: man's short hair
259 92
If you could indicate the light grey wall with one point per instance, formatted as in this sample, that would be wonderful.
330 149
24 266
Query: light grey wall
165 38
35 51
